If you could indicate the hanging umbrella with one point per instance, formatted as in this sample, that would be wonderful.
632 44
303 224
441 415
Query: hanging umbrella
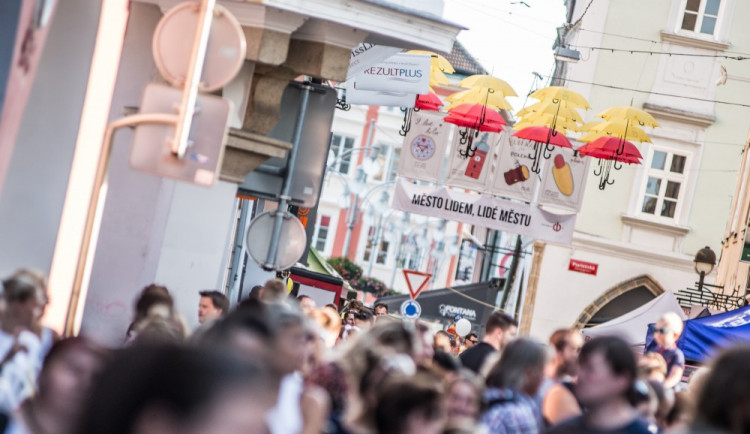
546 120
558 110
611 152
573 99
629 113
488 81
437 61
429 101
479 95
544 139
473 118
544 135
478 112
611 148
616 128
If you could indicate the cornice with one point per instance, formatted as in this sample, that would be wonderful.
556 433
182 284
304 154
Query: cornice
684 116
693 41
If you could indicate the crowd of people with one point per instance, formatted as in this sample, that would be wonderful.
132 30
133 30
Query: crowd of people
278 364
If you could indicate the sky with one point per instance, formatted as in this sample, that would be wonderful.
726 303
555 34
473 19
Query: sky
510 39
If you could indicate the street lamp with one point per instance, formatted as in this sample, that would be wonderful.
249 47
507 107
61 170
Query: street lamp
704 262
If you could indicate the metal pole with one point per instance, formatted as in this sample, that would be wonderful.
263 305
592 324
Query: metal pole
375 245
353 215
700 281
239 241
511 273
193 78
281 211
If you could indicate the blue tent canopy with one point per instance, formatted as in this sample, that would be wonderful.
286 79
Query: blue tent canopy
702 337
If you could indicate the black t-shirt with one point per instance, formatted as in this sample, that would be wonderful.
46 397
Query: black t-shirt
474 357
577 425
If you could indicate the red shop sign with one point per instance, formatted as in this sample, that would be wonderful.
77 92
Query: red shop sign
583 267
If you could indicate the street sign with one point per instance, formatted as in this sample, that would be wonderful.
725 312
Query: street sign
583 267
416 281
292 241
410 309
225 50
152 151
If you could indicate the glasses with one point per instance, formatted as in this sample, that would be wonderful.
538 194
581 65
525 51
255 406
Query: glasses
473 341
662 331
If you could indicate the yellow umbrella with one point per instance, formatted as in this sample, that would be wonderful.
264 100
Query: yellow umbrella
543 119
488 81
573 99
437 79
629 113
479 95
438 62
619 128
558 127
553 109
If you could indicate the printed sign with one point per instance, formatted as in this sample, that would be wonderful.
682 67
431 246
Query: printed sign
399 73
365 55
355 95
563 179
471 164
423 151
583 267
513 176
487 211
457 312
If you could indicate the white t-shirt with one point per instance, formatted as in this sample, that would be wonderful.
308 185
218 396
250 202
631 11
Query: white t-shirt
19 374
286 416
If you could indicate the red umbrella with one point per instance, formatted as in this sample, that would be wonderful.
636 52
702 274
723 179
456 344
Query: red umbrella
477 113
428 101
612 148
543 134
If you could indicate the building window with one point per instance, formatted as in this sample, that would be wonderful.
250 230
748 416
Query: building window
665 178
387 157
382 251
341 147
701 16
321 236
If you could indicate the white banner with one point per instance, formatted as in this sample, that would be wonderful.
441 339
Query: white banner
563 179
423 151
513 176
399 73
484 210
365 55
354 95
469 168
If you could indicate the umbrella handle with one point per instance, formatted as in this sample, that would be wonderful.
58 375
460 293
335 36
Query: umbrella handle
548 151
406 125
598 172
617 165
465 136
536 157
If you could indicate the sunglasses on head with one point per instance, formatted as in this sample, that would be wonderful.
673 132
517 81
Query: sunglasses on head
662 330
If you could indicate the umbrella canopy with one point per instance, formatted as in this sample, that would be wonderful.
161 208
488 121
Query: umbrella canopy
438 61
616 128
629 113
607 148
546 120
488 81
544 135
476 116
559 110
573 99
429 101
480 95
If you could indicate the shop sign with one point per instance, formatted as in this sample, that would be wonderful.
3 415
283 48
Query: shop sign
450 311
583 267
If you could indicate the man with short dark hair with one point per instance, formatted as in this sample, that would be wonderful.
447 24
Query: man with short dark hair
306 304
470 340
212 305
381 309
499 330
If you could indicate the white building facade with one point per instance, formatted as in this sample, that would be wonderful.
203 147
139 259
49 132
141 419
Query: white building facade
643 231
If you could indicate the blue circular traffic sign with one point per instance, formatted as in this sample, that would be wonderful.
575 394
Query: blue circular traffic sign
411 309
